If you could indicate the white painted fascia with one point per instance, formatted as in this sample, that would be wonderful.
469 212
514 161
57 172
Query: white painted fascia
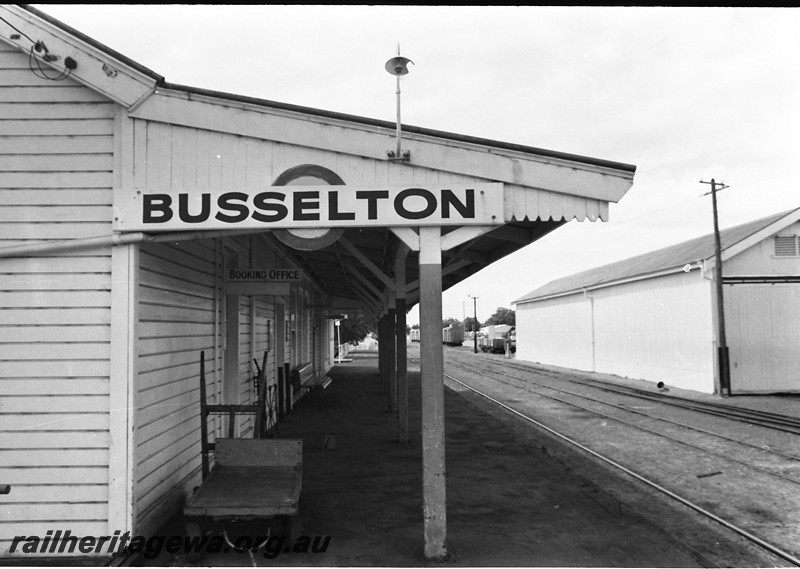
95 69
261 121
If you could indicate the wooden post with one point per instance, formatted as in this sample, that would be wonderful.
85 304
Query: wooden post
280 344
204 450
123 360
122 382
432 375
382 352
287 384
281 395
391 358
402 355
402 373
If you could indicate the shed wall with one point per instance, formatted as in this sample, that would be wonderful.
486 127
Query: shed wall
556 332
763 319
657 329
56 175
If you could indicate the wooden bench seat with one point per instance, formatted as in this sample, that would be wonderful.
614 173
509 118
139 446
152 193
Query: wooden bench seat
305 380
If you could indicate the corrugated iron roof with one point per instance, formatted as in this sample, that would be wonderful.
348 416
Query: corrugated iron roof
668 258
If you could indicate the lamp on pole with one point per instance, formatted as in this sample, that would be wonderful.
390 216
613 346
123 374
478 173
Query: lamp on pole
398 66
474 321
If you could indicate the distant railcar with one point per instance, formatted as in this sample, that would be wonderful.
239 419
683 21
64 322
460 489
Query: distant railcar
493 338
453 335
415 334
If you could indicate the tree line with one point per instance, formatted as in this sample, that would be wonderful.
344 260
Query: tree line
500 316
358 326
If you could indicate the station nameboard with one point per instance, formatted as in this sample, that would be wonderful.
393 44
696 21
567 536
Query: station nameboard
305 207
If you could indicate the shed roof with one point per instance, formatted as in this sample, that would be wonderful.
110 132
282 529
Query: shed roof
663 260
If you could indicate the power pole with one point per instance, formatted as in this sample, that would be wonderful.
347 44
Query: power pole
722 349
474 322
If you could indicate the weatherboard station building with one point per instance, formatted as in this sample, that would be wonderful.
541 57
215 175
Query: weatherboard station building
144 223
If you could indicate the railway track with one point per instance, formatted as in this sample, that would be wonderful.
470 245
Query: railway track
751 416
759 467
778 422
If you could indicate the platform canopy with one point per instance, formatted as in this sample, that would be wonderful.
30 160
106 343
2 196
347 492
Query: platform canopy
348 211
529 191
488 199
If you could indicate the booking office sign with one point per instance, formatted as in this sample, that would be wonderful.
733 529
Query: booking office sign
315 207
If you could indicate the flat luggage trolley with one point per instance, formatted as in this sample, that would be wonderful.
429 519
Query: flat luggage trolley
255 482
252 480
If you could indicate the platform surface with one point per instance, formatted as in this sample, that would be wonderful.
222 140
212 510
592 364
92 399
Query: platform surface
513 499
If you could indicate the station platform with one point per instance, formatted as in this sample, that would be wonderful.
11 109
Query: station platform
508 502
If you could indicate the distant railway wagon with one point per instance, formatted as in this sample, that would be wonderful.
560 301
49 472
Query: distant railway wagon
453 335
415 335
493 338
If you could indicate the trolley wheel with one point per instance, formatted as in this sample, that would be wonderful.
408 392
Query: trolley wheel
194 533
294 527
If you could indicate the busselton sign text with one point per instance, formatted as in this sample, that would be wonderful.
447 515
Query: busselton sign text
307 207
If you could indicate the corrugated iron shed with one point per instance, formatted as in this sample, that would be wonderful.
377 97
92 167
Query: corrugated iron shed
655 262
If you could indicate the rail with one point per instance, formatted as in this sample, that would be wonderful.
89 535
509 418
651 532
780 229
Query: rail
752 416
699 509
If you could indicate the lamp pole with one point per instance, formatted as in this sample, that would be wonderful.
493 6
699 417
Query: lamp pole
474 321
398 66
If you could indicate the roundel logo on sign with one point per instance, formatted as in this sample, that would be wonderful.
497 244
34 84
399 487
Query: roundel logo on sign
308 239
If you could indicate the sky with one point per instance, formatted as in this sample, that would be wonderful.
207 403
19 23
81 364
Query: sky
686 95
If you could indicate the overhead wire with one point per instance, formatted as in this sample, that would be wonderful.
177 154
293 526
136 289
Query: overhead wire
554 237
16 29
